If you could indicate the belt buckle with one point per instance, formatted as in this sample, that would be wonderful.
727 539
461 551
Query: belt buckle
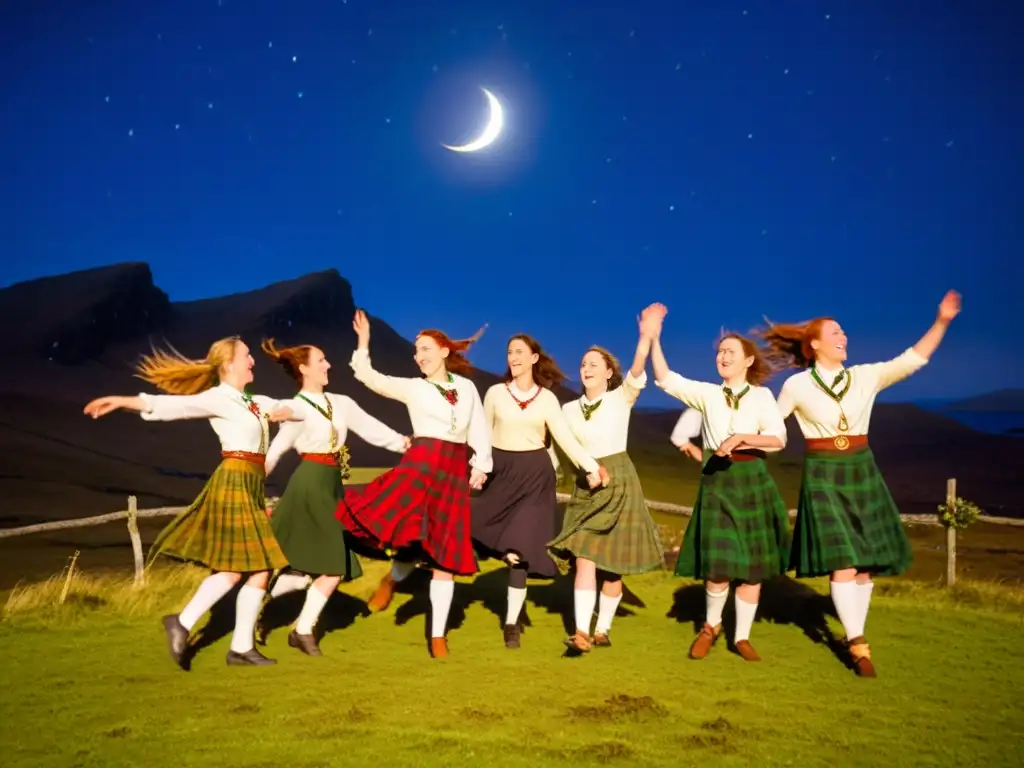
841 442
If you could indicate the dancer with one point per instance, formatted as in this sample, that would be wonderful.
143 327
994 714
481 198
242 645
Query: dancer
739 527
847 525
607 529
304 519
225 528
423 503
516 514
687 428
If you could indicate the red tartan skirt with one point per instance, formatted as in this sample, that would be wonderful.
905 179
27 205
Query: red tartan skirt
424 501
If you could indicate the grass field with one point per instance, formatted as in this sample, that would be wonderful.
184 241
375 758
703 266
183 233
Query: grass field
89 683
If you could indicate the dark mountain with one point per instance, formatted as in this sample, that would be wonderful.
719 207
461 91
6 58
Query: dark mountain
1002 401
74 337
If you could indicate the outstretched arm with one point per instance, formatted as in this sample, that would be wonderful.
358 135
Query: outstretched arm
896 370
205 405
562 434
387 386
373 431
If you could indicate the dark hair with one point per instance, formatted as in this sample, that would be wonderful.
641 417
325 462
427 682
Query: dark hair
546 372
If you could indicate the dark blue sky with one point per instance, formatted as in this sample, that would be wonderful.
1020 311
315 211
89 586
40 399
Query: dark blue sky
729 159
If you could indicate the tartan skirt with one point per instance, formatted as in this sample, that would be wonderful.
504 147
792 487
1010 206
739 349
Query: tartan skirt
847 518
423 503
305 526
226 527
517 511
610 525
739 529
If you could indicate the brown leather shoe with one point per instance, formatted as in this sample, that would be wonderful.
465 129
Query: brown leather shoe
579 642
512 635
746 651
382 597
439 647
860 655
601 640
305 643
704 640
251 658
177 638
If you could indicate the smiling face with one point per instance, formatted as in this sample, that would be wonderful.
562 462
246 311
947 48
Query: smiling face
521 358
595 373
239 367
314 370
830 346
731 360
429 356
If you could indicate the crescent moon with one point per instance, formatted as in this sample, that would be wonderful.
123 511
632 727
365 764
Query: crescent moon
491 131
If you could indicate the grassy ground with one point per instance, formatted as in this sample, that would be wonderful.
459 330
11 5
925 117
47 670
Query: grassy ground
89 683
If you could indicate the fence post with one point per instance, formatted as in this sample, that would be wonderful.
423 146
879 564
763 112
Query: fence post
950 534
133 533
68 578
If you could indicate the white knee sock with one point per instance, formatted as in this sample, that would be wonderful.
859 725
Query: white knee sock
213 588
289 582
584 601
714 603
864 593
745 613
847 601
311 610
441 593
401 571
247 610
606 607
516 598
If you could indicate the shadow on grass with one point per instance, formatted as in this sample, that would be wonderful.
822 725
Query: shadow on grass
783 601
340 612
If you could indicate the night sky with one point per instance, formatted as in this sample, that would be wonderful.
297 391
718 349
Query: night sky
728 159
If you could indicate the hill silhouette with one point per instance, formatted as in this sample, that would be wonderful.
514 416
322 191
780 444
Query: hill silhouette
1003 400
73 337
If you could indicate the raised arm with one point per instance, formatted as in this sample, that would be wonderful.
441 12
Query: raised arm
636 377
693 393
387 386
370 429
479 435
283 442
561 434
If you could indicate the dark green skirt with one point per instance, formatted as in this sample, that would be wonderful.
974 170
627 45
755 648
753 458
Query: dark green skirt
226 527
739 529
847 518
611 525
304 523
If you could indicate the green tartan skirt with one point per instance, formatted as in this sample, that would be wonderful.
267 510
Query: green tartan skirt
226 527
610 525
305 526
739 529
847 518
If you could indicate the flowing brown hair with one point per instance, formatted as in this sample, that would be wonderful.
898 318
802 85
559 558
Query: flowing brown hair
289 358
612 362
762 368
175 374
546 372
789 344
456 361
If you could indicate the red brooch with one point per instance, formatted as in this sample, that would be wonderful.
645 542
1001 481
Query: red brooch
451 395
254 409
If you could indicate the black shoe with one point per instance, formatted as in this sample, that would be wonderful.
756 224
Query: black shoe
251 658
512 633
177 638
305 643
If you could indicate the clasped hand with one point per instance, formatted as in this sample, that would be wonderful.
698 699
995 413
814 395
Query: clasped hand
729 445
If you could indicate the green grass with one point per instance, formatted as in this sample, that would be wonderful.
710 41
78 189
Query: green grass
89 683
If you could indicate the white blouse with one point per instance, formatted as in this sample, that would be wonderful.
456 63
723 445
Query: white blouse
607 430
756 414
430 413
313 433
687 428
818 414
237 427
514 428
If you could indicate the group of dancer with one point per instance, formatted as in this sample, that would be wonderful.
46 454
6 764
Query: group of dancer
478 478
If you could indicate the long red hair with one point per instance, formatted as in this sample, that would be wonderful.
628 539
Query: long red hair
456 361
789 344
289 358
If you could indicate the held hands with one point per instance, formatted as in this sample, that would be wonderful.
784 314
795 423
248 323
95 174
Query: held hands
949 307
599 478
651 320
361 325
284 413
406 443
692 451
101 406
729 445
477 479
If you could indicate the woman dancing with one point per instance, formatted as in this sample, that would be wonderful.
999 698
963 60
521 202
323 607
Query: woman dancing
739 529
304 519
607 529
226 527
848 525
423 503
516 514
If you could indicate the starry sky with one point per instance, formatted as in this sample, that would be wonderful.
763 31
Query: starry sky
730 159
